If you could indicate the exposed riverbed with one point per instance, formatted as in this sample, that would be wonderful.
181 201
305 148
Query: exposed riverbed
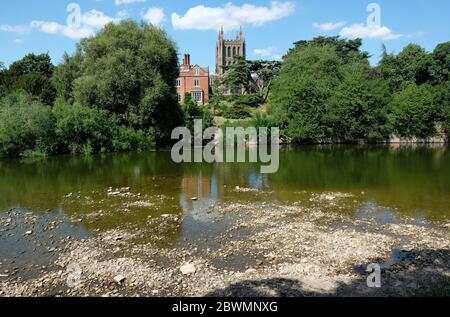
137 224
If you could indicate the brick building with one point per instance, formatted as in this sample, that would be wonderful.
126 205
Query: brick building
194 80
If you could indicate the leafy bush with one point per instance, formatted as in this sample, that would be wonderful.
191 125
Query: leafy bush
80 129
237 112
26 126
128 139
412 112
249 100
193 111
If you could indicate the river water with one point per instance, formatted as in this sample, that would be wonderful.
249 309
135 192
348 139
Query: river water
46 202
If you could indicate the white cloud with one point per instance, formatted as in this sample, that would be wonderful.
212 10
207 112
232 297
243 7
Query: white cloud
268 53
18 41
230 16
154 16
416 34
91 22
20 29
68 31
96 19
371 32
329 26
121 2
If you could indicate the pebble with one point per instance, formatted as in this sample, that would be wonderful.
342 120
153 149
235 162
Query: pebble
119 279
188 268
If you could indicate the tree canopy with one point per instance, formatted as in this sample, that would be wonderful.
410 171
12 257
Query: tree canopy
115 93
33 73
327 90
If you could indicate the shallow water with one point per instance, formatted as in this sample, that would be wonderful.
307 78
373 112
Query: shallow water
387 181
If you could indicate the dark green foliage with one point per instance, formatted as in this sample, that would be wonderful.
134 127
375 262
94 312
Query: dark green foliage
328 91
442 101
412 65
248 100
65 75
2 80
116 93
266 72
238 75
309 77
129 70
32 74
237 112
346 49
193 111
441 67
26 126
81 129
412 112
129 139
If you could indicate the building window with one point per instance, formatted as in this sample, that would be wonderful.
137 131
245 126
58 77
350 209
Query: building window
229 51
196 83
197 72
178 83
234 51
197 96
179 97
239 51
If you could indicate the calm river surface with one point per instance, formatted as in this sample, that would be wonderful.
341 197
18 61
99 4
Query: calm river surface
412 181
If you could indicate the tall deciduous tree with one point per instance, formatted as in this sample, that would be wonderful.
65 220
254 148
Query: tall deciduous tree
441 67
33 74
265 72
412 65
238 75
130 70
413 112
66 74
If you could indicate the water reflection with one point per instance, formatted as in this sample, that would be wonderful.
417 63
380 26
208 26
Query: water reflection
411 180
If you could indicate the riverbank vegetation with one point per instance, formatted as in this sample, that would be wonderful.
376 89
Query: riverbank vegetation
327 91
117 93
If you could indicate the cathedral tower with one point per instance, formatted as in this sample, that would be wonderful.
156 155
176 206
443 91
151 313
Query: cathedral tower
227 50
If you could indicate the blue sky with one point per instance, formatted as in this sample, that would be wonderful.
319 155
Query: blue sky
271 27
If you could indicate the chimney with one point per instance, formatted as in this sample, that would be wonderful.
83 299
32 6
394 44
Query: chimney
187 60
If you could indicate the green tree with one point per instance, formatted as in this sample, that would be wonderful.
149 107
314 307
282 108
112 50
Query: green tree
26 126
327 90
2 80
266 72
442 100
81 129
238 75
65 75
193 111
412 65
33 74
357 108
347 49
441 67
412 112
130 70
308 78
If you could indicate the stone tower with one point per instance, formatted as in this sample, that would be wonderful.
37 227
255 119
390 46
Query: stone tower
226 50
